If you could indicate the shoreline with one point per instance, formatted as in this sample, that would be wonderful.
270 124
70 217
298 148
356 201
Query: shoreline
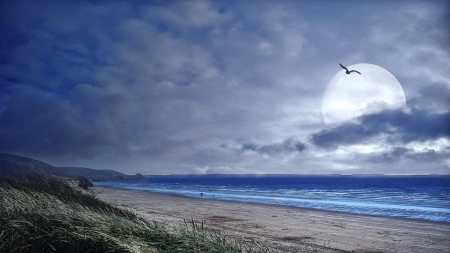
280 205
287 228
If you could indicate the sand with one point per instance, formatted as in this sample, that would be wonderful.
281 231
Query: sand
289 229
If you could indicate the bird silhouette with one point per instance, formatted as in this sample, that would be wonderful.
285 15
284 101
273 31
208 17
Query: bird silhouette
348 72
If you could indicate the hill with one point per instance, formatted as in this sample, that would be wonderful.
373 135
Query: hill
99 175
19 166
22 167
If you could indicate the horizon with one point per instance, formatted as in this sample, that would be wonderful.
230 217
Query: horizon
328 175
228 87
256 174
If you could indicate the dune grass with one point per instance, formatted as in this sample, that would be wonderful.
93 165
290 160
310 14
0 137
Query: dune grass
55 215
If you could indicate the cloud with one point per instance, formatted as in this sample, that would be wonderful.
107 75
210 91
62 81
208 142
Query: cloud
91 120
433 98
163 85
398 125
400 154
197 14
221 170
288 146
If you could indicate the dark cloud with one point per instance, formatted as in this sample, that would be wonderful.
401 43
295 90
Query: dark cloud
435 97
398 125
401 154
82 126
249 146
288 146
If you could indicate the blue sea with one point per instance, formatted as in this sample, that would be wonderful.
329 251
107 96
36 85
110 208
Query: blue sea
412 197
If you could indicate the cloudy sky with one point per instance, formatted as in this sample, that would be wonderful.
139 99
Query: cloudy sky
162 87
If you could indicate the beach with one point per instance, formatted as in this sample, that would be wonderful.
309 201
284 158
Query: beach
288 229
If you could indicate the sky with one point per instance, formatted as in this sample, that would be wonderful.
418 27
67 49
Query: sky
194 87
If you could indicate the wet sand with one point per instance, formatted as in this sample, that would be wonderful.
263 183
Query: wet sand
289 229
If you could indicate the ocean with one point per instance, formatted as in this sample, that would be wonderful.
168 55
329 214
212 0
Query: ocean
411 197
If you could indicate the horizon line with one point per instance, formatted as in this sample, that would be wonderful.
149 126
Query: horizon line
291 174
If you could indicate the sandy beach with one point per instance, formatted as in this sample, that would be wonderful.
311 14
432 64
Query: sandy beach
289 229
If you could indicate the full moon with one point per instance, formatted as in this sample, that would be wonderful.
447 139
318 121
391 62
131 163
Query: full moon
348 97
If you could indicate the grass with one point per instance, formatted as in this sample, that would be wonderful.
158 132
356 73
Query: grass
56 215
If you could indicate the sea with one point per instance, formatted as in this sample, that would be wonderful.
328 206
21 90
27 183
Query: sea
410 197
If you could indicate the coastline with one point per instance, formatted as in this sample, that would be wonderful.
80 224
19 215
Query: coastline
326 212
286 228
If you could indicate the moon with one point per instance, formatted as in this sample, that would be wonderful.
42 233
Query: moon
348 97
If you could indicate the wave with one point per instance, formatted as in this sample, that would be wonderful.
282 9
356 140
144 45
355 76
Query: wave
406 200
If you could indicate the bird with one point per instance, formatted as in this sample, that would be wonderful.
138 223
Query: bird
348 72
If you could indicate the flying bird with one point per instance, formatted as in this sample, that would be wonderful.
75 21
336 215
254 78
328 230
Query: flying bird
348 72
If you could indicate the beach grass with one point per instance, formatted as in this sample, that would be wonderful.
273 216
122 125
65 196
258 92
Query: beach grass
53 214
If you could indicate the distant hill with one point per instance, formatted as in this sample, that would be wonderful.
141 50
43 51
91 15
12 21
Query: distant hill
19 166
100 175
